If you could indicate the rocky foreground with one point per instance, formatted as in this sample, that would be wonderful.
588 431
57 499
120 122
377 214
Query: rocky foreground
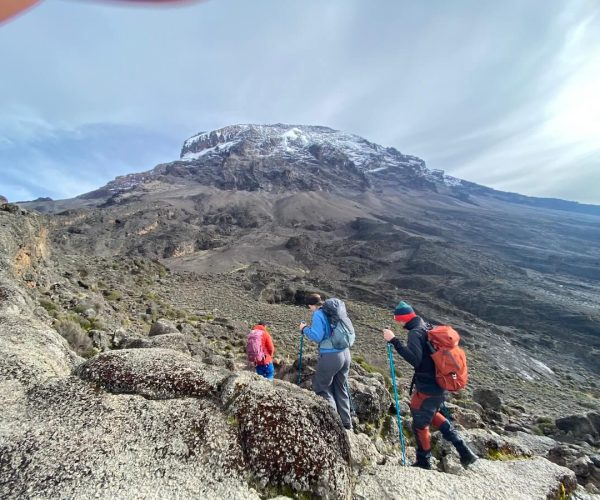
113 387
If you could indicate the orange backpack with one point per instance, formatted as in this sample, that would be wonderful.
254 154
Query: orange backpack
449 359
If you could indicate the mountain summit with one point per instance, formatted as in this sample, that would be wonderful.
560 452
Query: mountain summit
281 157
308 145
290 158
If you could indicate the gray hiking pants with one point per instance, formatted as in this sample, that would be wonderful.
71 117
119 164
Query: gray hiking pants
330 381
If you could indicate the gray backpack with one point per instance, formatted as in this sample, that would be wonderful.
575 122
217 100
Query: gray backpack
343 334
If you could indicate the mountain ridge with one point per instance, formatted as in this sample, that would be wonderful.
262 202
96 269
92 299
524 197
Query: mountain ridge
300 157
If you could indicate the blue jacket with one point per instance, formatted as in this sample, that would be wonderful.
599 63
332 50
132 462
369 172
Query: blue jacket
319 331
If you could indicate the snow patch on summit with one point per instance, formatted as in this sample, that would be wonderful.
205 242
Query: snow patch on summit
219 148
311 144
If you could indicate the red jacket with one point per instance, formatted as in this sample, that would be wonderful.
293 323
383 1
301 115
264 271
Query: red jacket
267 344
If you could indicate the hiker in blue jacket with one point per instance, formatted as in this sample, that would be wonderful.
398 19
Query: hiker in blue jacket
330 380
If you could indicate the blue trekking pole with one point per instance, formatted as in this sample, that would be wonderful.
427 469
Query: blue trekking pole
398 417
300 358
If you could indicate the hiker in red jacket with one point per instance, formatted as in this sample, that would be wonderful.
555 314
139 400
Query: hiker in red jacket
260 350
427 400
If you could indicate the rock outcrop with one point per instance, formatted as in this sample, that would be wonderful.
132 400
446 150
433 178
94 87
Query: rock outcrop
535 478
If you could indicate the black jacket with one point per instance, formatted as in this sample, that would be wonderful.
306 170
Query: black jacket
417 353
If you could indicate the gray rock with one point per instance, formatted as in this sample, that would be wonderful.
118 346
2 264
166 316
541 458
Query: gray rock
161 327
363 451
103 341
487 443
370 397
31 352
594 418
578 425
583 467
488 399
486 480
469 419
538 445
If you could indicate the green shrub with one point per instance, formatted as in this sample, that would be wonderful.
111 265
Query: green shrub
369 368
48 305
77 338
114 295
502 455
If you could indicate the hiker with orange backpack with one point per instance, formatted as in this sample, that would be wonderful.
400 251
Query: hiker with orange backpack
439 367
260 350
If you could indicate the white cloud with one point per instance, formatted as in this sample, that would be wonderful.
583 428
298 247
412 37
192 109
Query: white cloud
483 90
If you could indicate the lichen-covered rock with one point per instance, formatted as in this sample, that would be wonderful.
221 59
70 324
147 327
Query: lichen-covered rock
70 440
594 418
154 373
290 438
103 341
299 374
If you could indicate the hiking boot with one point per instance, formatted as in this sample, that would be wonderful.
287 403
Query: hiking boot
423 464
423 460
467 457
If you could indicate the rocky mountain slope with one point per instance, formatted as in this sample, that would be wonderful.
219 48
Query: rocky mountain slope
164 271
359 220
165 407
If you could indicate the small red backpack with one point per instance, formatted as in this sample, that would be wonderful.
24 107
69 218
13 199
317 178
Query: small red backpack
254 347
449 359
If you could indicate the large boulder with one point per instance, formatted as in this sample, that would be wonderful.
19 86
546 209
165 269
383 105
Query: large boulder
594 418
370 397
67 439
469 419
161 327
154 373
291 438
577 426
31 352
488 399
488 444
538 445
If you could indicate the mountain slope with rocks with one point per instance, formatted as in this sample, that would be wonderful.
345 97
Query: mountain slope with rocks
163 272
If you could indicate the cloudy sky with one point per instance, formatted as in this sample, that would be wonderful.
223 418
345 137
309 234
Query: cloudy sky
505 94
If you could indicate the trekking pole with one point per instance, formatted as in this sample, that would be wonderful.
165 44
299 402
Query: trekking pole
300 358
398 417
